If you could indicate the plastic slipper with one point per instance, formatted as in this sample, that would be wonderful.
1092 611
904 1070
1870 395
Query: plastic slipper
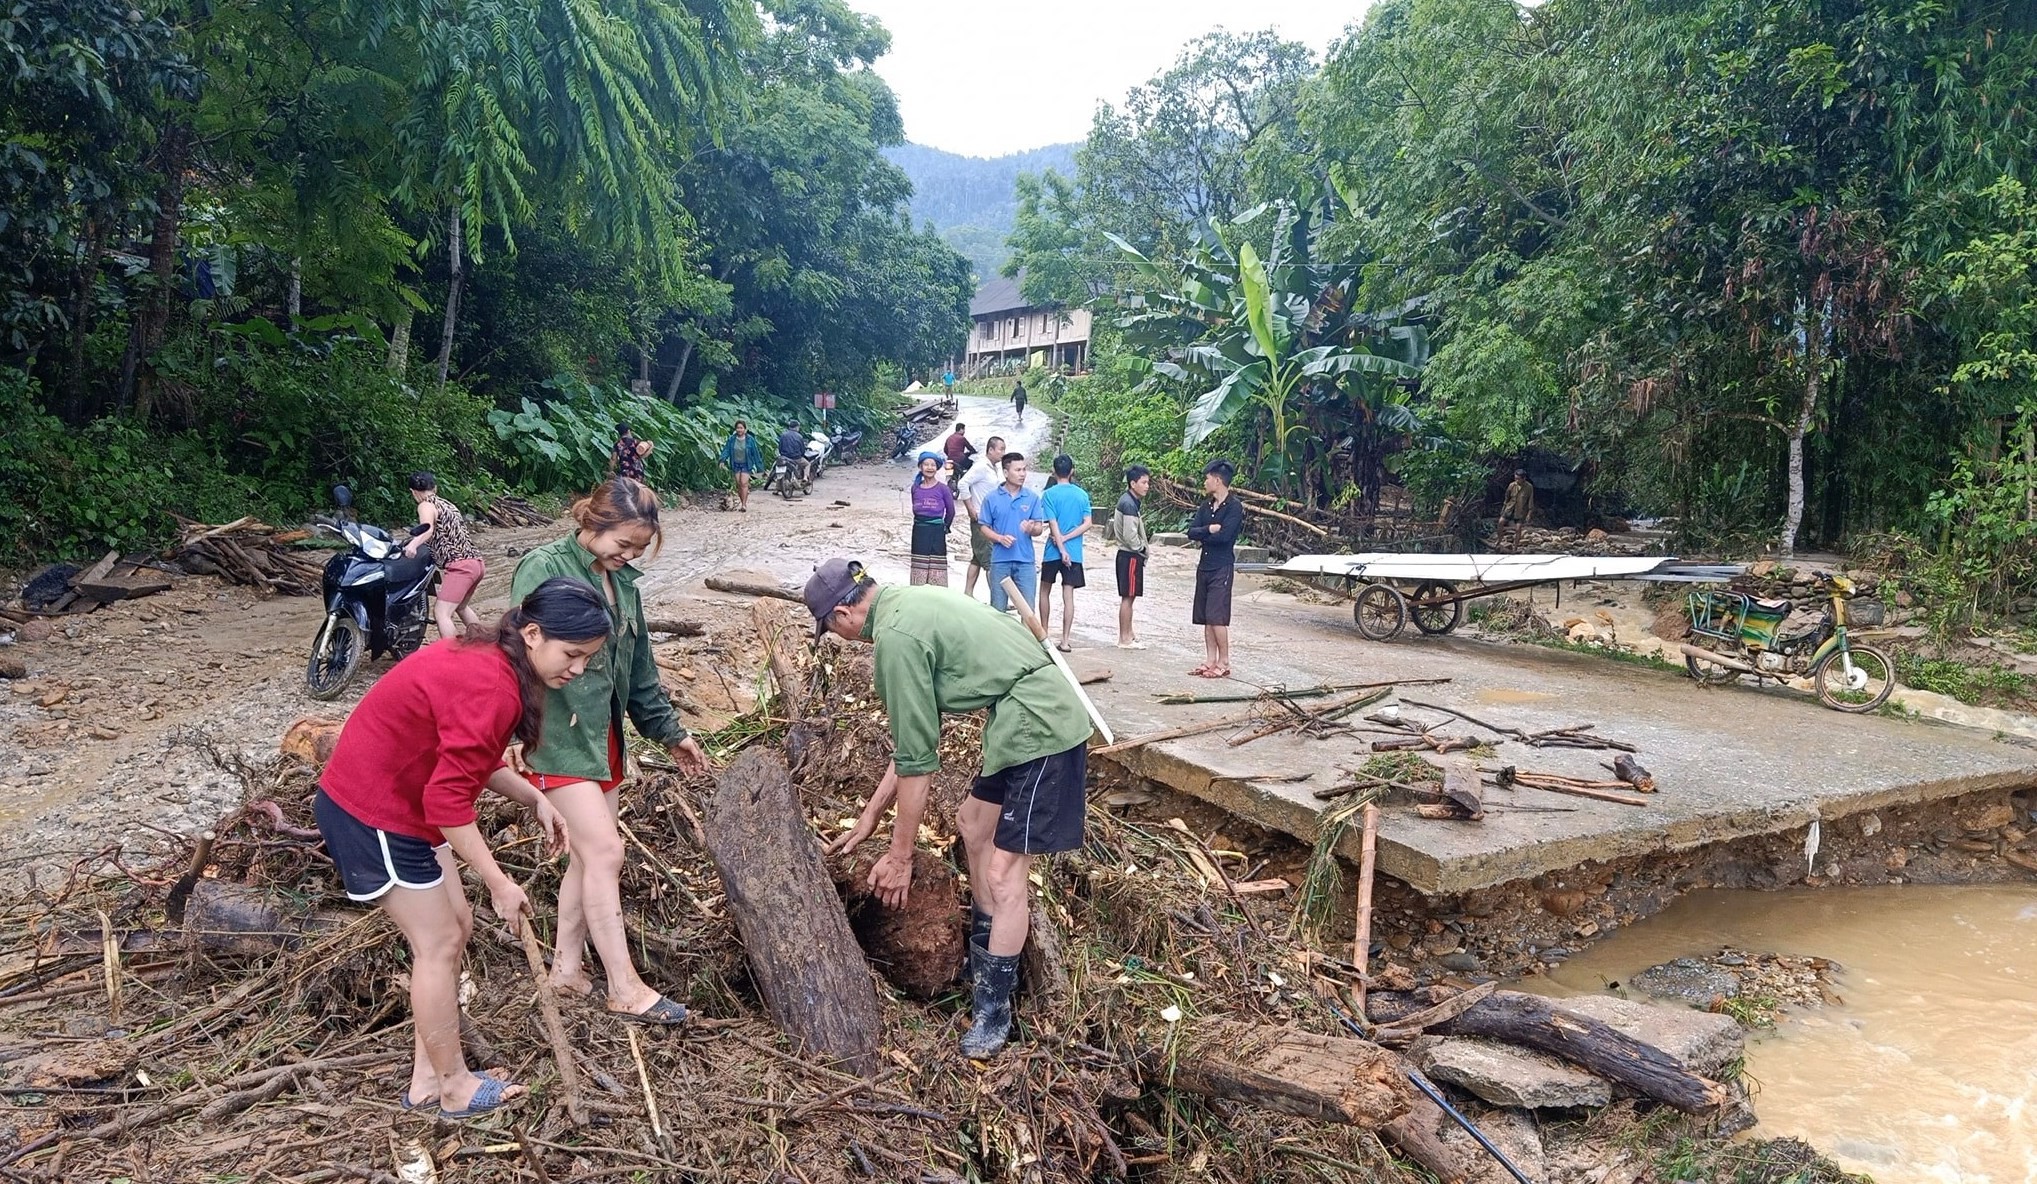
663 1013
410 1107
1065 648
1131 645
492 1096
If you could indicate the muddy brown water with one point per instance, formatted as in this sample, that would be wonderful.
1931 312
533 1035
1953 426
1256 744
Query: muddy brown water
1927 1069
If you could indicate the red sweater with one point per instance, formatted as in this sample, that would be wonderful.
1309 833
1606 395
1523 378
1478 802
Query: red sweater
420 748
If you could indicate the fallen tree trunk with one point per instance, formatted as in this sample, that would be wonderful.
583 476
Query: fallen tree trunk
803 958
1326 1078
1530 1020
749 586
676 628
1419 1135
233 918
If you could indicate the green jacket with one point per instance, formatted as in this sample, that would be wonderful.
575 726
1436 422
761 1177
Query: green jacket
620 679
939 651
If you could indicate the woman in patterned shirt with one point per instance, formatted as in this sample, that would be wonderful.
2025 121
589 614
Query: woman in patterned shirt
628 458
453 550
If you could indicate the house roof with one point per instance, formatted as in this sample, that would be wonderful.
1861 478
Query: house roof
999 295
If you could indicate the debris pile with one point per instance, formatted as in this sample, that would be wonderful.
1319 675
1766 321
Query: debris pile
247 551
509 510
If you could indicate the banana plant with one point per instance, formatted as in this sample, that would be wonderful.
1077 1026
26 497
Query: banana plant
1268 336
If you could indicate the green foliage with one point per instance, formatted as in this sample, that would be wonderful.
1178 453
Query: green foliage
1984 685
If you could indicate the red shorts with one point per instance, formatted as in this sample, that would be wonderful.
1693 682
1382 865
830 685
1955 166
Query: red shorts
459 579
547 782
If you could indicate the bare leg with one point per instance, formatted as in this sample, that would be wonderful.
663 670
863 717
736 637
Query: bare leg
976 822
1220 636
1010 912
436 922
1209 645
969 579
597 850
743 490
1046 610
442 612
468 617
1125 621
1067 612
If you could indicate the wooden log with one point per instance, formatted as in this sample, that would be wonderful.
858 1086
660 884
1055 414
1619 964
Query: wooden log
99 570
1419 1135
1629 770
1043 969
802 957
555 1025
232 918
1211 725
1325 1078
1530 1020
743 586
1368 861
676 628
311 739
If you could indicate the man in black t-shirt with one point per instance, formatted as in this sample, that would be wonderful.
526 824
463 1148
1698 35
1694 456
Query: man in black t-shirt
1216 525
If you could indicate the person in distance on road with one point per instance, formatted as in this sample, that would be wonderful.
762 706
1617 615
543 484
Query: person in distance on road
792 450
626 459
1517 508
933 515
579 763
936 652
1068 519
1018 399
741 456
1128 527
1216 526
958 450
395 805
452 549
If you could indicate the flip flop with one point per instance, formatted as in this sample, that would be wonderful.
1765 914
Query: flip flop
492 1096
1131 645
1065 648
410 1107
1201 671
663 1013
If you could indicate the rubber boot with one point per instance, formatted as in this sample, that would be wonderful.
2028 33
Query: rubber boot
996 977
979 940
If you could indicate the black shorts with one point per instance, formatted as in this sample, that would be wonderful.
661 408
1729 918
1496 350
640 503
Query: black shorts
1131 575
371 861
1066 571
1213 595
1043 802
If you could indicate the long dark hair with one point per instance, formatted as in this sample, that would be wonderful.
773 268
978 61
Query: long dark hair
563 609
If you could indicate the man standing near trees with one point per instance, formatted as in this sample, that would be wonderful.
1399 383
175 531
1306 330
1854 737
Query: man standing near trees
938 653
1517 508
1068 519
1128 527
1216 525
1018 399
976 485
1012 517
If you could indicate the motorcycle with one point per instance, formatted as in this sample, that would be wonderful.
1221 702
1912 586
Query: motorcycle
376 602
788 477
910 436
1846 674
820 450
845 444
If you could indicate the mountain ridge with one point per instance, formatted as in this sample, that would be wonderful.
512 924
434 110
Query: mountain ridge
971 200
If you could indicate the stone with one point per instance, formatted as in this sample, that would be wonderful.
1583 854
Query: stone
1515 1133
1461 962
1688 980
1870 825
1170 538
36 629
1504 1075
1991 816
1703 1041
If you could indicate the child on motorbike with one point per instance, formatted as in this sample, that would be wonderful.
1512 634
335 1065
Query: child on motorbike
396 804
579 763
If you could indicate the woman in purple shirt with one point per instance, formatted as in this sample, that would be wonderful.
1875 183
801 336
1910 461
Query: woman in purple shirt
933 513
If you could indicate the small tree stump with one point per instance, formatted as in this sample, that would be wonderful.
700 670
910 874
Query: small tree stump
918 947
802 956
1326 1078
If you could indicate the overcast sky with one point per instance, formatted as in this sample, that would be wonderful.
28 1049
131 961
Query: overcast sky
988 79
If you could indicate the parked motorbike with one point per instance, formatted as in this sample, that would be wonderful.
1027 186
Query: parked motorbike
376 602
1743 629
788 477
845 444
910 436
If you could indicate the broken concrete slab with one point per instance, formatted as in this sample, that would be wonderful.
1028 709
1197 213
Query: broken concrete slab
1703 1041
1515 1133
1505 1075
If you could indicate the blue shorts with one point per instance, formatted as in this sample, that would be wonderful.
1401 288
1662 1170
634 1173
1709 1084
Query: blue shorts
741 469
372 861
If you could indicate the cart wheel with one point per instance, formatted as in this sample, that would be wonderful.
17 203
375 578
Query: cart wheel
1380 612
1436 618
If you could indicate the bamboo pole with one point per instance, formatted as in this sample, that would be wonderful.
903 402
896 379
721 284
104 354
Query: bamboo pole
1368 859
555 1027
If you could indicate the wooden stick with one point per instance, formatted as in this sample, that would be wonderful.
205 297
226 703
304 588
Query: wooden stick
1229 721
555 1028
1176 698
770 623
1579 791
636 1053
1361 941
109 950
658 865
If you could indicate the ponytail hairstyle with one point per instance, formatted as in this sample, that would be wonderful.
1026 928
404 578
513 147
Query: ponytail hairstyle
563 609
618 502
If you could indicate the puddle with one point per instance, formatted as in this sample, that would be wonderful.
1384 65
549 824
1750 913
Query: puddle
1505 696
1927 1071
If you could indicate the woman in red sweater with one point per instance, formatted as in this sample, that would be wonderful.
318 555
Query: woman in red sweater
396 805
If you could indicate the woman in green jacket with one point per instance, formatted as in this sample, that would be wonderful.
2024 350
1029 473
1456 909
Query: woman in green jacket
579 761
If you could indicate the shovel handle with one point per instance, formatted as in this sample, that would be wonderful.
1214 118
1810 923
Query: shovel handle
1025 610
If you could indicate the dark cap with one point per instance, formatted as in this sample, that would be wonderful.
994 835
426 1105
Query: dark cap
830 587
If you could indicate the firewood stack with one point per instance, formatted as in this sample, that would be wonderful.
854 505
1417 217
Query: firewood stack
512 511
249 552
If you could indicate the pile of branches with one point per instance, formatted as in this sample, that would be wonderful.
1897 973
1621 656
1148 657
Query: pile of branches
509 510
250 552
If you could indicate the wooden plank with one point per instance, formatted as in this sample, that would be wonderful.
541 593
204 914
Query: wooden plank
1326 1078
108 589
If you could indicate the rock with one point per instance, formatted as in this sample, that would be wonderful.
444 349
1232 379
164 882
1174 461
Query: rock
1461 962
1988 817
36 629
1691 980
1440 943
1513 1132
12 668
1508 1076
1870 825
1595 535
1704 1042
1170 539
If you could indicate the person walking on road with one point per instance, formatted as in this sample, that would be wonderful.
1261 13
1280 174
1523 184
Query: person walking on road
937 653
1012 518
1068 519
975 486
741 456
1518 507
1018 399
1216 526
452 549
933 515
1128 527
578 762
395 805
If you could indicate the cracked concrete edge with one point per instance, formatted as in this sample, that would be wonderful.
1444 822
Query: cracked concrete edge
1434 875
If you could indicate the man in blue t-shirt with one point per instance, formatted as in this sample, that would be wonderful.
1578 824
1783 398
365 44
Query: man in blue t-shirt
1011 516
1068 519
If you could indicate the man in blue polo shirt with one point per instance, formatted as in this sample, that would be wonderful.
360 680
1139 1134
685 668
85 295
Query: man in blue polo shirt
1011 516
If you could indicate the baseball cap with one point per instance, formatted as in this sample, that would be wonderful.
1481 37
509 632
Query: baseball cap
829 587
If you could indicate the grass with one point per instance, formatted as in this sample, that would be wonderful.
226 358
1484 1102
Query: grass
1611 653
1975 685
1752 1011
1410 767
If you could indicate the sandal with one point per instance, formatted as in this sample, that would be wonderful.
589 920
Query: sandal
663 1013
493 1095
410 1107
1201 671
1065 648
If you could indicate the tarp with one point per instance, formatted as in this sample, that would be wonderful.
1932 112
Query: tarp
1500 569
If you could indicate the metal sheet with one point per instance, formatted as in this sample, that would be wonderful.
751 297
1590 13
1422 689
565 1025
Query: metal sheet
1475 569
